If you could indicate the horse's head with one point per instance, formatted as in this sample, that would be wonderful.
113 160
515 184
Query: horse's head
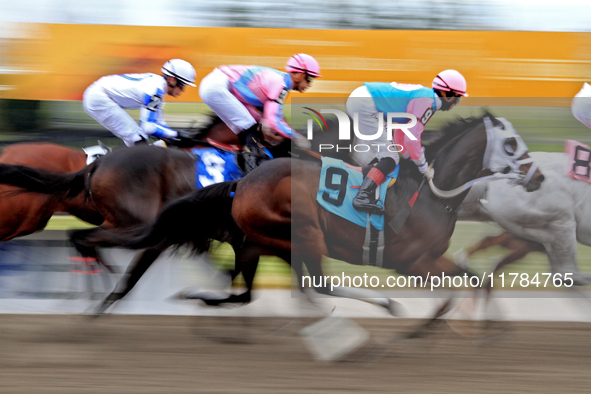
482 143
507 153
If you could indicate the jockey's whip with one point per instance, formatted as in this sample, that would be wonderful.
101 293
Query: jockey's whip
398 222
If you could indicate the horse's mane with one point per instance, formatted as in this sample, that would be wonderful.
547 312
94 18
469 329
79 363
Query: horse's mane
211 120
450 131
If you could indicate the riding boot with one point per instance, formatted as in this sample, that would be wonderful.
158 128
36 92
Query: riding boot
253 154
365 199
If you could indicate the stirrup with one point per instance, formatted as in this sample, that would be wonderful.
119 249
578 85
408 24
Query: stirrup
370 207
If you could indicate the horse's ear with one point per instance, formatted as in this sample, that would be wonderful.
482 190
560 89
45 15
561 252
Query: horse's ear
496 122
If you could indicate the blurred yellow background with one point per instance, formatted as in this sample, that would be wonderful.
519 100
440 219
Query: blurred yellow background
58 61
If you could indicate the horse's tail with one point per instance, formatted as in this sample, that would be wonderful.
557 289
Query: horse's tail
194 220
38 181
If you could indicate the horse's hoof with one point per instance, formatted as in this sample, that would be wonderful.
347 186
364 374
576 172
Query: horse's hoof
395 308
95 313
208 297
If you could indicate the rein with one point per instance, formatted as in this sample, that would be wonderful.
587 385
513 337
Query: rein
459 190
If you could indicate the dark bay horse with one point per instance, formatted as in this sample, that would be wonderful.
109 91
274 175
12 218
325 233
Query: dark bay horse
275 207
23 214
290 220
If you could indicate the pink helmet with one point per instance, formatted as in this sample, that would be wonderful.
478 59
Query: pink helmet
450 81
302 63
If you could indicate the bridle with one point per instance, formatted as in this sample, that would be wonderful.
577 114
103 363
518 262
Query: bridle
514 175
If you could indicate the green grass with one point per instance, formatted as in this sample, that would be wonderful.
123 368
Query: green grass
66 222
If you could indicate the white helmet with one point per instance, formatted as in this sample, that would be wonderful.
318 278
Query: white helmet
181 70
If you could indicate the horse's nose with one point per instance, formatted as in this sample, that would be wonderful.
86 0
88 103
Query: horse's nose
540 178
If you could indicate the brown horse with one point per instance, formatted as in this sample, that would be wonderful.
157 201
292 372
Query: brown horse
23 214
275 207
128 188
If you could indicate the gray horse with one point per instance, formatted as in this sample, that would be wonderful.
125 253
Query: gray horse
556 216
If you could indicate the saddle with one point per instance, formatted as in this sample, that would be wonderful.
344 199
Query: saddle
96 151
335 194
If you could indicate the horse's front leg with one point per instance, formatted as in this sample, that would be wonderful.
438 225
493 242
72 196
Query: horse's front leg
429 268
325 285
561 248
246 263
134 272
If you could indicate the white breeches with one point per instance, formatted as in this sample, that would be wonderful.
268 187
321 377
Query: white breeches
214 90
361 103
111 116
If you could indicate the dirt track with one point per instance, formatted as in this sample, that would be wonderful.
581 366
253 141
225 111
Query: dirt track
170 354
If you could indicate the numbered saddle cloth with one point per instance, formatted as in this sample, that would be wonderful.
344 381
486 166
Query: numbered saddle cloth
577 161
215 166
338 187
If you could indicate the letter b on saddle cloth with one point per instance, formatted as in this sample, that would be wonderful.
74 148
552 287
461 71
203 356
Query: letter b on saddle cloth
337 189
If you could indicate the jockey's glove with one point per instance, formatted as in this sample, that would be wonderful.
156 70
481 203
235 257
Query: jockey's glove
429 174
427 171
300 141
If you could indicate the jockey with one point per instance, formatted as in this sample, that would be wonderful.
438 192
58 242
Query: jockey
581 105
374 100
106 99
244 96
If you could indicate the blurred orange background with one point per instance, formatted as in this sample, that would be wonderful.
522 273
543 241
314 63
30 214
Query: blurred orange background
58 61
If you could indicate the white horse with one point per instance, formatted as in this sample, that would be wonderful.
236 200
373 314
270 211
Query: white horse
556 216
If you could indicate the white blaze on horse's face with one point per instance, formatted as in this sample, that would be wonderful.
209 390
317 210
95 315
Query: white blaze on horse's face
505 150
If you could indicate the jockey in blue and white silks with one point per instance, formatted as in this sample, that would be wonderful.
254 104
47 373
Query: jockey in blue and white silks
373 101
106 99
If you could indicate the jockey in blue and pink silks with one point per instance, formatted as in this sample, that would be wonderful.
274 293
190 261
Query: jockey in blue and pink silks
372 101
236 93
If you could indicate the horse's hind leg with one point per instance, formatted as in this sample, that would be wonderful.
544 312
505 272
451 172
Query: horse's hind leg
86 242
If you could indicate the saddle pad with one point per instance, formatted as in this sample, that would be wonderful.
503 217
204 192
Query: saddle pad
338 187
578 157
215 166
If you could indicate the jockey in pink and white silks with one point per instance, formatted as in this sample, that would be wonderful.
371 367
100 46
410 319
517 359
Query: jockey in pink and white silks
372 101
581 105
244 96
106 99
